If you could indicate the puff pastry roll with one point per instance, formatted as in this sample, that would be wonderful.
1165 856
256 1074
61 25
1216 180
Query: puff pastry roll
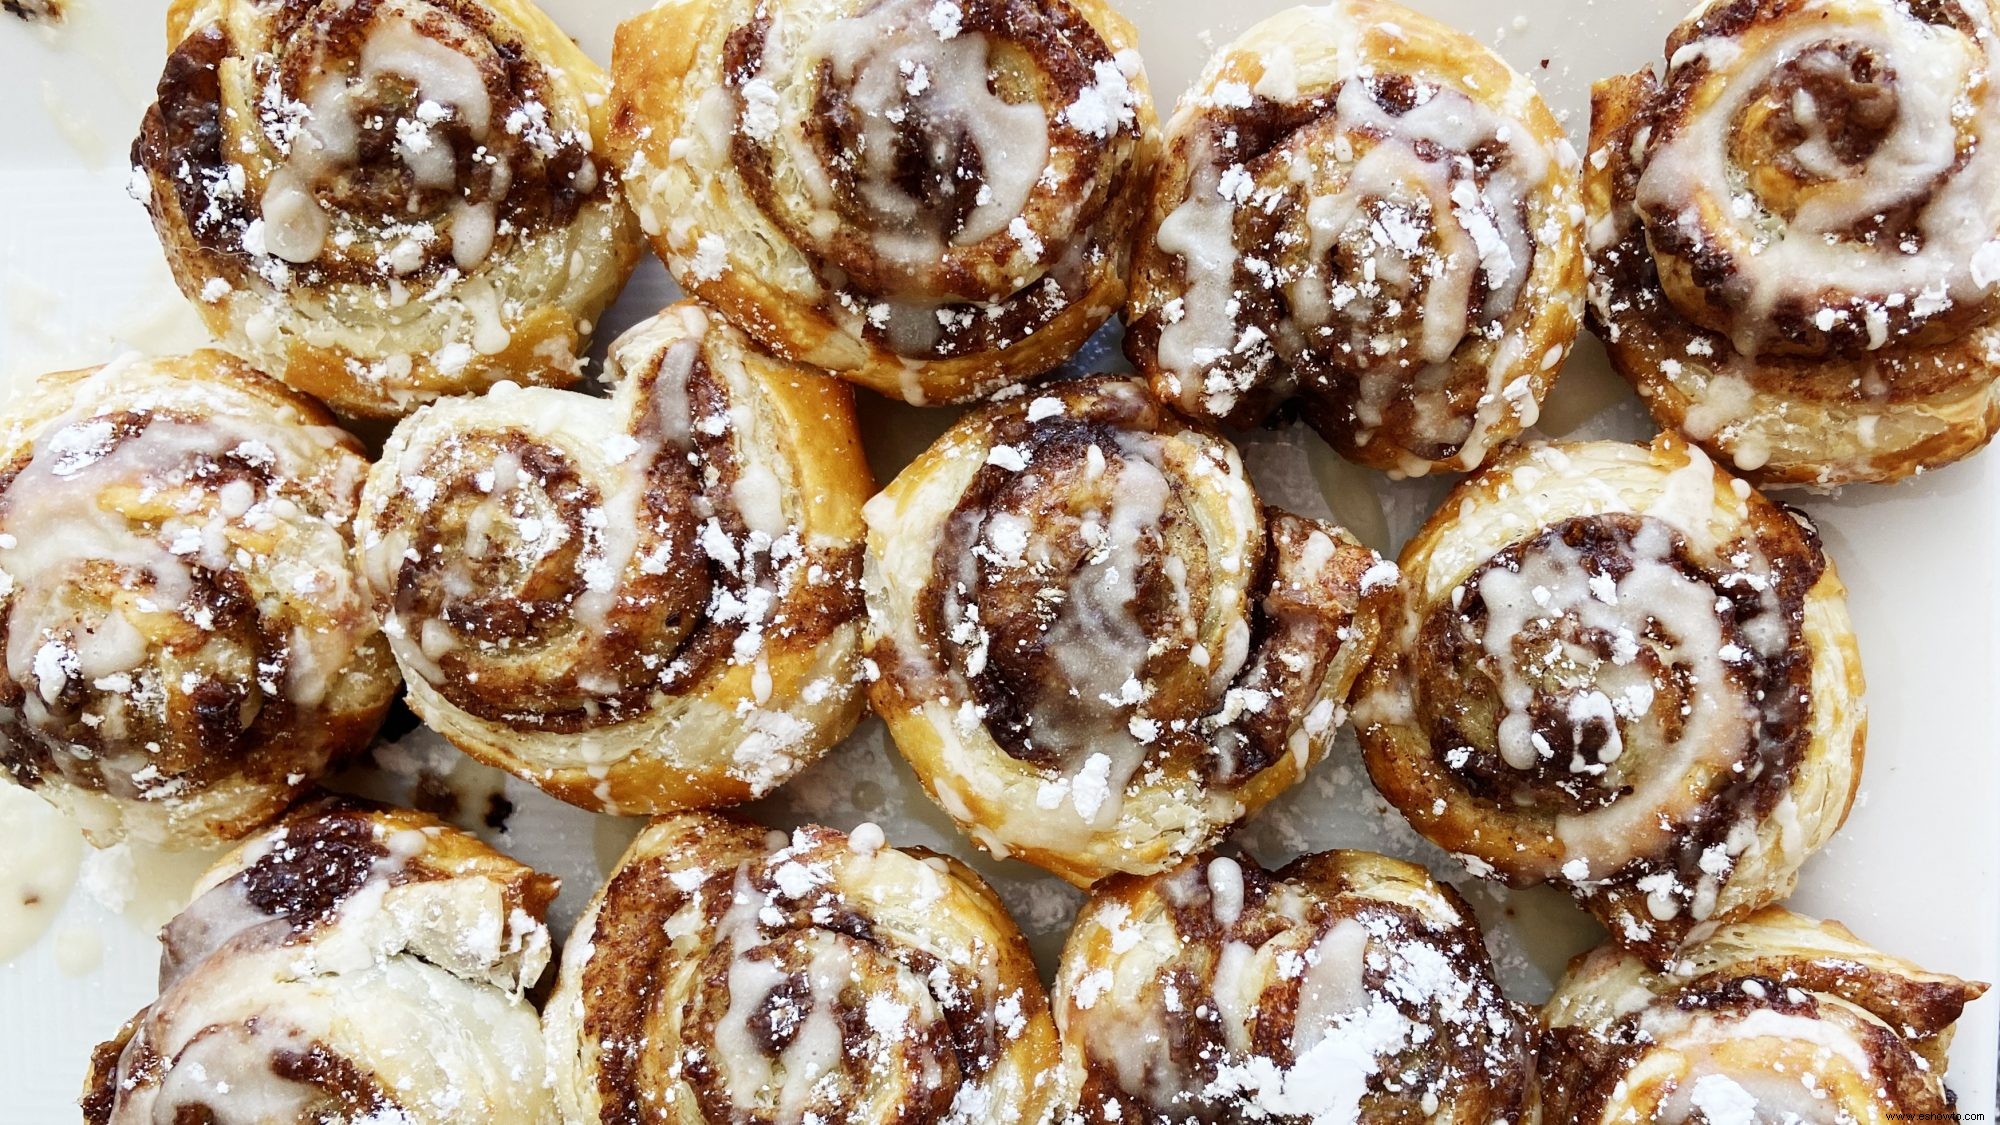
1094 645
1776 1017
1347 986
385 201
352 964
1795 239
1367 211
932 198
639 604
1621 671
187 644
729 974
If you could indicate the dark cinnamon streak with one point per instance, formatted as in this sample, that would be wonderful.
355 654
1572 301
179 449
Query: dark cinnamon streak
1322 372
1585 1070
194 119
1457 696
938 164
1027 705
522 657
634 962
210 656
49 12
1481 1054
1856 103
313 865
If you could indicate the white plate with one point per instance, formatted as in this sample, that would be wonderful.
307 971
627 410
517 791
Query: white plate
1914 871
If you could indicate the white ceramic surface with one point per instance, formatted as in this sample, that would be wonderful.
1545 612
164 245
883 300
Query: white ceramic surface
1916 871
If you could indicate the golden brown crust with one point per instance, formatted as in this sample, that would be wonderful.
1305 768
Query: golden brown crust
383 203
1368 211
1096 648
1020 136
728 974
1776 1017
187 646
1621 671
639 604
352 963
1828 316
1347 986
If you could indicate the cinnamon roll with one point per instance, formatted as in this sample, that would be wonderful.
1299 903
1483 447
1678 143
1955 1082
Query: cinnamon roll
1624 672
639 604
1346 986
352 964
1776 1017
1095 646
932 198
187 646
729 974
1795 239
385 201
1367 211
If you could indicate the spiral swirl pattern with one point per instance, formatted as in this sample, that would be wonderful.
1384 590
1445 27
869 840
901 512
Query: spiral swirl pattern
1777 1017
352 964
940 191
1625 674
642 603
727 974
1346 987
382 201
1367 211
1094 645
1794 241
187 646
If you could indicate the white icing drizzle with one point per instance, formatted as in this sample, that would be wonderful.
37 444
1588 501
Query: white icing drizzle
893 64
37 867
791 972
814 1049
1344 1034
605 547
1550 615
1143 697
879 54
1395 195
243 985
84 500
449 85
1942 91
1823 1053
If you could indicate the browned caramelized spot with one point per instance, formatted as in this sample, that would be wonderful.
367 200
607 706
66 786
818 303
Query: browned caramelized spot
183 129
100 1088
315 863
